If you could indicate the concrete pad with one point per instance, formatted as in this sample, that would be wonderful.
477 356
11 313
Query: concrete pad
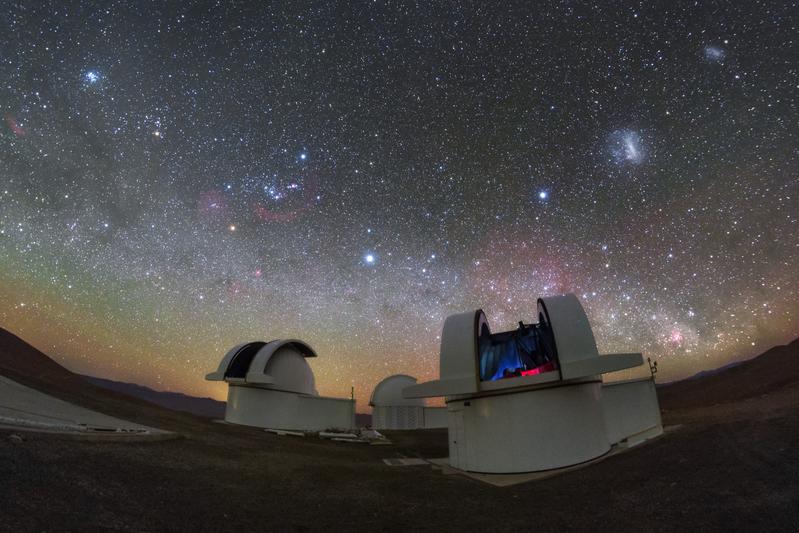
405 461
28 409
282 433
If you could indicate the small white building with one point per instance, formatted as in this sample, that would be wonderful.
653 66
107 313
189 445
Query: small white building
390 410
271 385
532 399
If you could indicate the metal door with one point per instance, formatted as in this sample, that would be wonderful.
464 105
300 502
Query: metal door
457 442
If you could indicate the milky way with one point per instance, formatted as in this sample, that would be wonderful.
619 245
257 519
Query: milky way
178 179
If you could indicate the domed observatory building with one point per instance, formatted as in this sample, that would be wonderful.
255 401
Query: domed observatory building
271 385
390 410
532 399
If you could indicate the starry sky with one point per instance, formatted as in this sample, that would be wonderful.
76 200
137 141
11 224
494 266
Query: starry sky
176 178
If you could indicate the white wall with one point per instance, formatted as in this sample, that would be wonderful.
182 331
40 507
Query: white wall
408 417
319 412
266 408
630 408
397 417
527 431
435 417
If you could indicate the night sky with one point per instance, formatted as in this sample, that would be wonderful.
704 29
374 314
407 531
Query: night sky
177 179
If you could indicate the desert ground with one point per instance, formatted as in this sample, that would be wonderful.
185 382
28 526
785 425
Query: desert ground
729 461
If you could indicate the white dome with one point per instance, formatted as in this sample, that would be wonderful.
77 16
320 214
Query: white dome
290 371
389 392
278 365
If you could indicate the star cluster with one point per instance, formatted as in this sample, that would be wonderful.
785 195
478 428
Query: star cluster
178 178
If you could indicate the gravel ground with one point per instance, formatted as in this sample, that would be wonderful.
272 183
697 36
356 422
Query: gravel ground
731 470
732 465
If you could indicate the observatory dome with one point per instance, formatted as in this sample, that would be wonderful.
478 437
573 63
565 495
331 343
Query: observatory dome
389 392
290 371
278 364
532 399
271 385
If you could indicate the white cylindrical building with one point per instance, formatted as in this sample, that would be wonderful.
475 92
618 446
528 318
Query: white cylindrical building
271 385
532 399
390 410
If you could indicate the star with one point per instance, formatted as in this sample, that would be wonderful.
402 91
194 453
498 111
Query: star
406 180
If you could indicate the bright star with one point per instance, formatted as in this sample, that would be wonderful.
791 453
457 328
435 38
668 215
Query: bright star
543 195
369 258
273 192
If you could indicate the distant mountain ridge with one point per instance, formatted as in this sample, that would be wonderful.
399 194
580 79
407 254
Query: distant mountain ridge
774 369
706 373
171 400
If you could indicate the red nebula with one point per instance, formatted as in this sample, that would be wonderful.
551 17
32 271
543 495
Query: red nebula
15 128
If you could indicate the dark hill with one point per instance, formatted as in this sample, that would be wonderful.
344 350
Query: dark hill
27 365
20 359
769 372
